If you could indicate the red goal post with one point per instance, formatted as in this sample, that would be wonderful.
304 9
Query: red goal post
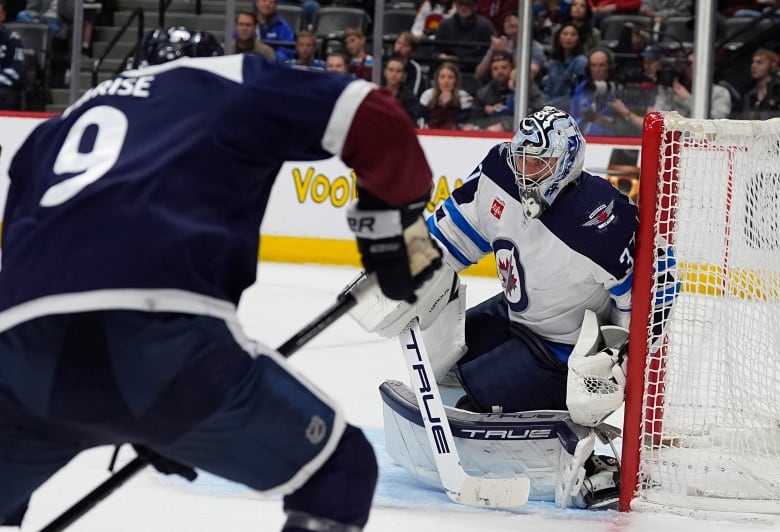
702 416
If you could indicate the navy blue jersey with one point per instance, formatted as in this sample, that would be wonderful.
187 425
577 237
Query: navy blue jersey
11 58
149 191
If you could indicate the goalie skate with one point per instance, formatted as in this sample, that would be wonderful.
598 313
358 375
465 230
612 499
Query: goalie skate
600 489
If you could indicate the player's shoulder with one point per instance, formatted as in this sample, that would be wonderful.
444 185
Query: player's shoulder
492 172
495 168
593 205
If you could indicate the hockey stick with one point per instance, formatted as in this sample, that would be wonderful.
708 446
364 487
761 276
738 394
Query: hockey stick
459 485
344 302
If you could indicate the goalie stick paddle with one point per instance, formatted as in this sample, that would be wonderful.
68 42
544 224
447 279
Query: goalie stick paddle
344 302
459 485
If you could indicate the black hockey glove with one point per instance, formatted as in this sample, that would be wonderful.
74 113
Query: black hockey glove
395 244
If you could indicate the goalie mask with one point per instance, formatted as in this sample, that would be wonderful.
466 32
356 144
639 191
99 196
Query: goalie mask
546 153
163 45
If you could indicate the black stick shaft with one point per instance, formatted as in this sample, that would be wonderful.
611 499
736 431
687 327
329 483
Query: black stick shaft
69 516
345 302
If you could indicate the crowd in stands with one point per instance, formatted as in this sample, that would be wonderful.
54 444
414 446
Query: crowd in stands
454 66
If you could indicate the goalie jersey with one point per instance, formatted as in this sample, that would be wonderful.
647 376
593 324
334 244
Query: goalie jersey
577 255
148 192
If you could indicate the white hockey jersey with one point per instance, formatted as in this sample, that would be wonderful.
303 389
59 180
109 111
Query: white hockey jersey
579 254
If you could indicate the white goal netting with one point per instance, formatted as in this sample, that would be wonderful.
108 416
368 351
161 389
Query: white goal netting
710 419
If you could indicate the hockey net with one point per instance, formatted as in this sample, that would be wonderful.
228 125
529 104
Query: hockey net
702 420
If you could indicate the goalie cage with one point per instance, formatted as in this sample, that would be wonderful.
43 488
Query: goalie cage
702 419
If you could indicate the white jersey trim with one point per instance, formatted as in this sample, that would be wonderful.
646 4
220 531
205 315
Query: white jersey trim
343 113
163 300
227 66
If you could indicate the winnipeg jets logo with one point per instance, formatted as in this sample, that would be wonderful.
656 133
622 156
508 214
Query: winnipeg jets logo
511 274
601 216
508 276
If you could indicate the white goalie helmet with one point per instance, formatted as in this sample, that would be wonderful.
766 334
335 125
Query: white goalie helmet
546 153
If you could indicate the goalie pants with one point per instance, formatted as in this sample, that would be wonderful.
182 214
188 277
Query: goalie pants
183 386
506 370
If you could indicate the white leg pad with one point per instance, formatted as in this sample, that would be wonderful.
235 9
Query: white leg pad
445 338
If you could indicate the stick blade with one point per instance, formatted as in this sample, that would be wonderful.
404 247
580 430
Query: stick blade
492 492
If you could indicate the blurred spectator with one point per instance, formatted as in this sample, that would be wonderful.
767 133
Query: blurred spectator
491 108
403 48
246 41
361 63
592 104
337 61
566 67
11 65
749 8
658 10
604 8
305 48
633 39
272 27
546 14
466 27
651 63
45 11
506 42
674 92
429 17
394 82
581 15
763 100
497 10
447 105
91 10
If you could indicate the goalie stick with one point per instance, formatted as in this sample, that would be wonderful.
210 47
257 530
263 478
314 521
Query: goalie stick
344 301
459 485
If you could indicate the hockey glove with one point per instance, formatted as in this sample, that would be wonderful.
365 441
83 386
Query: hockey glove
395 244
597 372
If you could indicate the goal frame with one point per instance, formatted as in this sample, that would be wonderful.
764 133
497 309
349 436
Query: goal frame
662 210
641 307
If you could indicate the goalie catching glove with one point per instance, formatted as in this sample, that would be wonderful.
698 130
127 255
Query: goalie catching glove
596 382
394 244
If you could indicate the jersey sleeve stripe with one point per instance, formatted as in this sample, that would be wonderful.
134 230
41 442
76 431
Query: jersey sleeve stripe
461 223
622 288
341 117
453 251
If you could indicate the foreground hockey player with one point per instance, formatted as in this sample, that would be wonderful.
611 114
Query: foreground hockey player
129 235
563 242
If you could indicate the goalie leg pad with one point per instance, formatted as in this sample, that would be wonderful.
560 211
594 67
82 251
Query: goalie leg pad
445 339
342 489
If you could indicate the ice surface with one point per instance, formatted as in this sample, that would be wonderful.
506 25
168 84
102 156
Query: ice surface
348 364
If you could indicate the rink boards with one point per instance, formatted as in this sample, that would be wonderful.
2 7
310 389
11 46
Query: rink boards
306 217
